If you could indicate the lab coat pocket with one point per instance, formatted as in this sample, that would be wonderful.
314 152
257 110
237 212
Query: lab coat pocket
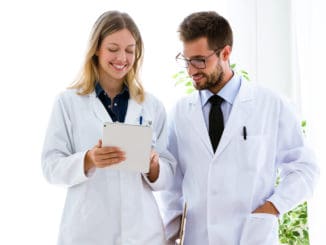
252 152
260 229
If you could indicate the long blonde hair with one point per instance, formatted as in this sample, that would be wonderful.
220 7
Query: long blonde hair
108 23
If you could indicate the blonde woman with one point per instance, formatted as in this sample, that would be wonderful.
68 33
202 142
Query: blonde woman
103 205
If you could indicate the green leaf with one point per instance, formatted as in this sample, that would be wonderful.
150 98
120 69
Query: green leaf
190 90
174 76
295 233
304 123
246 77
243 72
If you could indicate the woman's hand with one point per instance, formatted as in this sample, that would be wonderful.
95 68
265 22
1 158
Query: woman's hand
154 168
101 157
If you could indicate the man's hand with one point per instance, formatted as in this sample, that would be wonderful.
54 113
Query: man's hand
154 168
267 208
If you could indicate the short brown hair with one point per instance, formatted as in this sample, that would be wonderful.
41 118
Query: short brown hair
207 24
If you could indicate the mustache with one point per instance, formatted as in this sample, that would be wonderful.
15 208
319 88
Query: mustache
199 73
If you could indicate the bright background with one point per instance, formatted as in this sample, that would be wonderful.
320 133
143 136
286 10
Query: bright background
280 43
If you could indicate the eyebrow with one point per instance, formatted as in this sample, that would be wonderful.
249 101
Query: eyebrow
194 57
130 45
197 57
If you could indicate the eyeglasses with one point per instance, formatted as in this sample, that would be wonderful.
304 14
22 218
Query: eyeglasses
199 63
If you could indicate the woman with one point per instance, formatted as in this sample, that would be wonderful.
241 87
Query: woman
103 205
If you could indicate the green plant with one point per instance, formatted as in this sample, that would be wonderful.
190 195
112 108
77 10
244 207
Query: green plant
241 72
293 225
181 78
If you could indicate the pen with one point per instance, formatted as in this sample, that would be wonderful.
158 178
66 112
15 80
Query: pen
140 120
244 132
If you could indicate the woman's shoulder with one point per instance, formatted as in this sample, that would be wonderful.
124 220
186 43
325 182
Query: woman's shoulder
70 98
72 94
152 99
152 103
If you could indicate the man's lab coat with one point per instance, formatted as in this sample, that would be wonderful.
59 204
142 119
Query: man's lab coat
223 189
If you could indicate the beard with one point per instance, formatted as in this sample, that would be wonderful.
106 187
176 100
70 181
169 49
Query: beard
213 80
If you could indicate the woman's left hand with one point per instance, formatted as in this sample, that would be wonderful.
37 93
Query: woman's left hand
154 168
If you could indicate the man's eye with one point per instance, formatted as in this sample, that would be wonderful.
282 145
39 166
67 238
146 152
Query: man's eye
197 60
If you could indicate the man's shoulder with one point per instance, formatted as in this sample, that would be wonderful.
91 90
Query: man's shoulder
188 98
266 97
263 92
184 104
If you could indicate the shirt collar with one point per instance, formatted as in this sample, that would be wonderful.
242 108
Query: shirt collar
228 92
99 90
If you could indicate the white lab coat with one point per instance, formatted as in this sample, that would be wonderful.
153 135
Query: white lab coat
107 206
222 189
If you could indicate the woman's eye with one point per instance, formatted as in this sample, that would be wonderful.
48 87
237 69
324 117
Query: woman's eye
130 51
113 50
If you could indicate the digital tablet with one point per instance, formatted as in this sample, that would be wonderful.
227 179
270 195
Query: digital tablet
134 140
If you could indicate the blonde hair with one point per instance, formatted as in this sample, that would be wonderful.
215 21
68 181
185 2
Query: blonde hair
108 23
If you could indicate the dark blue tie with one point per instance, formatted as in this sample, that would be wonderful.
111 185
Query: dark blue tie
216 123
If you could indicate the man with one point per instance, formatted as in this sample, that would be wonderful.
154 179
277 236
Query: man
230 148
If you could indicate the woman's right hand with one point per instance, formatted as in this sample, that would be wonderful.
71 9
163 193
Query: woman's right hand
101 157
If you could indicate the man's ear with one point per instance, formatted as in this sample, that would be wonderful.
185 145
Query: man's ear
226 52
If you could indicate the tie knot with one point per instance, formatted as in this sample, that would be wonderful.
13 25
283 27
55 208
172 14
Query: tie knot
216 100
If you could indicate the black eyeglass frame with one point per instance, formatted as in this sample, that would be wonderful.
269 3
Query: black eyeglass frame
182 60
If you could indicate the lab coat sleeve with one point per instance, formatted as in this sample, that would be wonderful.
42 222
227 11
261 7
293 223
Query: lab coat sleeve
172 198
296 161
166 160
60 163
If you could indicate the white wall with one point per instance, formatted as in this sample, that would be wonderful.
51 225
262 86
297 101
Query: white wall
262 42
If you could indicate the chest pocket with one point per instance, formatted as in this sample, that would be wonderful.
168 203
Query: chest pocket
146 119
251 153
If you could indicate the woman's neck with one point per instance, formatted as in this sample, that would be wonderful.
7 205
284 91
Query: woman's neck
111 87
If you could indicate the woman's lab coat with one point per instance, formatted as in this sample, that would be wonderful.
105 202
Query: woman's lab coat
107 206
222 189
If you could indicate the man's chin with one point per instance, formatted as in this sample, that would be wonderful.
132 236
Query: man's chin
199 86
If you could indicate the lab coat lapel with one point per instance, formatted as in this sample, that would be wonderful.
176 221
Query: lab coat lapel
98 109
196 117
132 116
241 110
133 112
